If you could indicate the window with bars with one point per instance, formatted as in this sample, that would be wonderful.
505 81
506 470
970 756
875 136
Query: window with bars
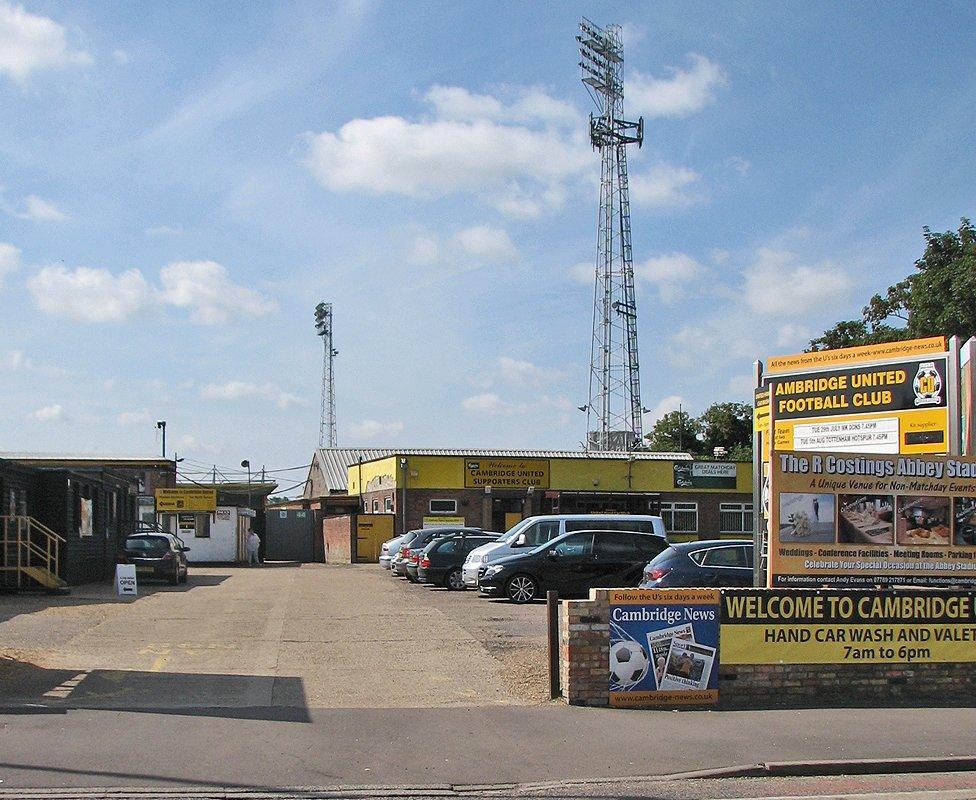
680 517
735 517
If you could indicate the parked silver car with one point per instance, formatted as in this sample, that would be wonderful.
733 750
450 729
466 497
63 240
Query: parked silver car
389 549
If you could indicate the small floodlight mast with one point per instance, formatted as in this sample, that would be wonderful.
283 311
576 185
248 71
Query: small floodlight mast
327 421
613 413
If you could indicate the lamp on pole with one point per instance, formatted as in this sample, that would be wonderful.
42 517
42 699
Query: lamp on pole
161 426
246 463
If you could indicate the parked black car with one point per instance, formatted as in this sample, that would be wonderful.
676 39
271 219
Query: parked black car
440 563
716 562
572 564
410 553
157 556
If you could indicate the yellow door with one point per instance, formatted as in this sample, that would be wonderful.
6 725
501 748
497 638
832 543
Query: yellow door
512 518
371 531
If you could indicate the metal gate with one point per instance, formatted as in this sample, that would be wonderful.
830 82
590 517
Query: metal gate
289 534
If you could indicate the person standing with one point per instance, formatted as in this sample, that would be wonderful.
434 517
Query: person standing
252 544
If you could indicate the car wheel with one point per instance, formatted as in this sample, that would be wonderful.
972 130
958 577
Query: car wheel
521 589
454 581
175 578
411 578
186 574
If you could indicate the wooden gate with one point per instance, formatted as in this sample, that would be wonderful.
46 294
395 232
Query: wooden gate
371 531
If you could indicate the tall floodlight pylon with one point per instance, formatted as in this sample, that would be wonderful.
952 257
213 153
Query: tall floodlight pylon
327 420
613 412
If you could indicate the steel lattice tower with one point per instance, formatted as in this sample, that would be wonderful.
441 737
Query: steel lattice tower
613 412
327 421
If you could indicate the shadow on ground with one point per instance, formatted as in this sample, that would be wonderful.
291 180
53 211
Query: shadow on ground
26 687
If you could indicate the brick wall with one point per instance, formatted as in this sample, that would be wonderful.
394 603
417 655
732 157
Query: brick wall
584 663
338 533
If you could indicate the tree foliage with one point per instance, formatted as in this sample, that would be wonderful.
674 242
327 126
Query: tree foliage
727 425
938 299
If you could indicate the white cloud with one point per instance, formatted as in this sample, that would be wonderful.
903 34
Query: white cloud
791 334
518 373
681 94
490 404
584 272
743 386
205 289
374 429
527 105
665 406
668 272
719 256
133 418
776 285
239 390
120 56
39 210
9 259
163 230
390 155
29 43
49 413
665 186
89 295
470 247
631 34
485 243
740 164
19 361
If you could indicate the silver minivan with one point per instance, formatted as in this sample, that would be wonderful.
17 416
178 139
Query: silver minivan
533 531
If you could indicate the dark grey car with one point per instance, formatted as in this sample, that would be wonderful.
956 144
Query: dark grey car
410 553
157 556
715 562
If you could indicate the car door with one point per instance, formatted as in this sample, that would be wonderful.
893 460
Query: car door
568 565
616 560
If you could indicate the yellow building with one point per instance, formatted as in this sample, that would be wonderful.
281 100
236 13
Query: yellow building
493 489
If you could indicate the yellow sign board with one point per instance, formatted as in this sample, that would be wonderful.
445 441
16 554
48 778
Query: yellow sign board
869 627
443 521
506 473
186 498
849 356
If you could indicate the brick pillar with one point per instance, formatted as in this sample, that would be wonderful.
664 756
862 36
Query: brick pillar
584 651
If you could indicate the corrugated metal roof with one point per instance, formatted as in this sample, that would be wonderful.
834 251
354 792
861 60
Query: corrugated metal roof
335 461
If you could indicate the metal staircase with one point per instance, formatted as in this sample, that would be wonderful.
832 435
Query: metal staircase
29 553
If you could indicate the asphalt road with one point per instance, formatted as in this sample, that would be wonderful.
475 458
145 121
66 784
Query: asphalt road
319 676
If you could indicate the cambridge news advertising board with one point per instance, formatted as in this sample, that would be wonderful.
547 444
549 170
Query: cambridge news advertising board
852 520
664 647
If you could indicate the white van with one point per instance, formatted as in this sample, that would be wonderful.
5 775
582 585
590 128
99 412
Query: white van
533 531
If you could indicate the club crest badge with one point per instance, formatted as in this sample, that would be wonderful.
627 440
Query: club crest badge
927 385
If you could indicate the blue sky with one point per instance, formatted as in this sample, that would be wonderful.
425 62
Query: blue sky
181 183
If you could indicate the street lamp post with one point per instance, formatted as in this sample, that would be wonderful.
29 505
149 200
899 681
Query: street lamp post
246 463
161 426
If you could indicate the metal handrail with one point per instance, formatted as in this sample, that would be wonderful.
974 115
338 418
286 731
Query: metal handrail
27 549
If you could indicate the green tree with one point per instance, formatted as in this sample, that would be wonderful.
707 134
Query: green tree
727 425
675 432
938 299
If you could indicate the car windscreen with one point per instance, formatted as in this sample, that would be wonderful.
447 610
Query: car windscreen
147 544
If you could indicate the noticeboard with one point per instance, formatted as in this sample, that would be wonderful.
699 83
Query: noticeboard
185 498
506 473
704 475
664 647
895 407
850 520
